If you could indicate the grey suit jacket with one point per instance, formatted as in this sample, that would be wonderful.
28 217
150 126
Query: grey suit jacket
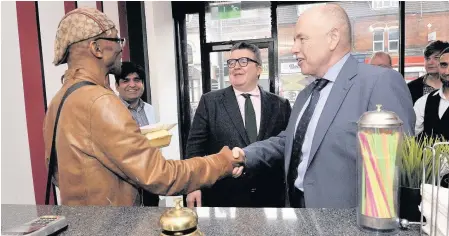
331 177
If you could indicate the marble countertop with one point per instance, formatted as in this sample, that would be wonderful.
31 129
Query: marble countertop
92 220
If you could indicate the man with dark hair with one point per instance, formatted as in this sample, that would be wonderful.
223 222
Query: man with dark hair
102 157
430 81
130 87
432 118
237 116
432 113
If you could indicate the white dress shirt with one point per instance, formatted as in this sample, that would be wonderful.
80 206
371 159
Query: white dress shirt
331 75
255 99
420 107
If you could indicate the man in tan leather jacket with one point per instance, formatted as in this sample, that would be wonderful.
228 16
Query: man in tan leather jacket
102 156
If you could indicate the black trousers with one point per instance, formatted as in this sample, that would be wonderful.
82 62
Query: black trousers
149 199
296 198
445 181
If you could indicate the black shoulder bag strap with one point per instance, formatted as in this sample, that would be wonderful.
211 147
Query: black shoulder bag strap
53 155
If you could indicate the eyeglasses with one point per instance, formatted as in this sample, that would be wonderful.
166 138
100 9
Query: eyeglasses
121 41
243 62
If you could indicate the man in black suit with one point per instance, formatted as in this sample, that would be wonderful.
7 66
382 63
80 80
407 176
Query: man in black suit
236 117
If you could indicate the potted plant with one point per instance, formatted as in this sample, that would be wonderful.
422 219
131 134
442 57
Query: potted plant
412 172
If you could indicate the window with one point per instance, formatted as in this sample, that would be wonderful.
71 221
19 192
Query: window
393 39
226 21
189 18
369 33
378 4
194 85
378 40
225 70
194 62
301 8
189 54
425 21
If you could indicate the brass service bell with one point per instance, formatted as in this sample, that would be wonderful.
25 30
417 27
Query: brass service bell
179 221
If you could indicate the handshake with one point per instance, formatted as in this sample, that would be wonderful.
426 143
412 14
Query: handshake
237 160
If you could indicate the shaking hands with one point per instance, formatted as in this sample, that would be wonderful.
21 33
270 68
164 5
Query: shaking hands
238 153
237 160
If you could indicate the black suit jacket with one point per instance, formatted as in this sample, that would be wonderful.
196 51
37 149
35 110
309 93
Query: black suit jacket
217 123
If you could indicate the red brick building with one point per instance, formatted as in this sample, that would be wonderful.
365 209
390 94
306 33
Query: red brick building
375 27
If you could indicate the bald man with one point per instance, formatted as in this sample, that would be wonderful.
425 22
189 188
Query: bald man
381 59
319 147
102 158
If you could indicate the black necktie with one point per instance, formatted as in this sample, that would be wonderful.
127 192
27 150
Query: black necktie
302 129
250 118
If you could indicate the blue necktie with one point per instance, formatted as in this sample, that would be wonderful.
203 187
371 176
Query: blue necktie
301 131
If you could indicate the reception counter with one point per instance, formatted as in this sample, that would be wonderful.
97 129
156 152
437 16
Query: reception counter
212 221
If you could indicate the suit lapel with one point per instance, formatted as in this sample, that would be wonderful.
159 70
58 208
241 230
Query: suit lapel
266 113
232 108
290 130
338 93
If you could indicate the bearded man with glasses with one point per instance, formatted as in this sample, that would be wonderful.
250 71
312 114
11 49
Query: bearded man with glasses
237 116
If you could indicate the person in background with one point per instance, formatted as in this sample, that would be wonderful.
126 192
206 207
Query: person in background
237 116
432 113
319 147
102 156
430 81
432 116
130 88
382 59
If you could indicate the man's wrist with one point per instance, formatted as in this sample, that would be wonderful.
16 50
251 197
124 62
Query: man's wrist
247 162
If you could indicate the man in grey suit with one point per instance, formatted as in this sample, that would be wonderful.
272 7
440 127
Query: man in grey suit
319 146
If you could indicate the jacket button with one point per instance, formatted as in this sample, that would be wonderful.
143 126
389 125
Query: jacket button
253 190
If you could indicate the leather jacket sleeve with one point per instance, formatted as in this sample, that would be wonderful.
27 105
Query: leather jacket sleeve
119 145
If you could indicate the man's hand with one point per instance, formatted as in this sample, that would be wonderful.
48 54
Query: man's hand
238 154
194 197
235 163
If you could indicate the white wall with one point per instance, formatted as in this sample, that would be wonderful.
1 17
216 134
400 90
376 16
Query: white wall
110 8
48 25
162 63
160 31
91 4
17 185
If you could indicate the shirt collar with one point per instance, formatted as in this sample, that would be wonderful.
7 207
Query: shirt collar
254 92
440 92
333 72
139 105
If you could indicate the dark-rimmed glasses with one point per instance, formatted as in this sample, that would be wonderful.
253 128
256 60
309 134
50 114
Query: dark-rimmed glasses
243 62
